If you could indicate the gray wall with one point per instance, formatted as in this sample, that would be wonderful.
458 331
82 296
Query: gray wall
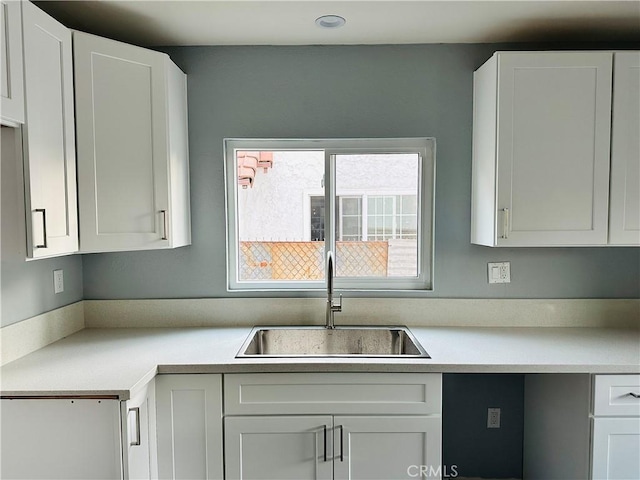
476 450
348 91
27 287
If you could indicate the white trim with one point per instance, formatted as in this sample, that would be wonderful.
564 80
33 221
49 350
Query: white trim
425 147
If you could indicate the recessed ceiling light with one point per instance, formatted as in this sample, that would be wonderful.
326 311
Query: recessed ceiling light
330 21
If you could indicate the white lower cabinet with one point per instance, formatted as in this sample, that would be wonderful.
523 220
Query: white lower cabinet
325 447
279 447
332 426
78 438
616 448
616 428
189 426
139 435
387 447
60 438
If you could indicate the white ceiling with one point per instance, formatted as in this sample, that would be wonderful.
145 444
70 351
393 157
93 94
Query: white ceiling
240 22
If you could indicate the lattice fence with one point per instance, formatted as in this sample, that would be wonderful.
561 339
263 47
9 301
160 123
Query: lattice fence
306 260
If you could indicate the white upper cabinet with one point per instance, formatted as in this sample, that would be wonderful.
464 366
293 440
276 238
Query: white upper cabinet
624 217
48 136
133 175
11 82
541 149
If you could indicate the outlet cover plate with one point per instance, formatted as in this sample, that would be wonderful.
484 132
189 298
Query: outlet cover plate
493 418
58 281
499 272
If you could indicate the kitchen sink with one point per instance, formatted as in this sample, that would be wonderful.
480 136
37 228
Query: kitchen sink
316 341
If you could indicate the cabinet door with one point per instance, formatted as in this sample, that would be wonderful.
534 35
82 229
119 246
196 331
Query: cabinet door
55 438
624 215
386 448
48 136
616 443
278 448
138 435
554 117
121 107
11 80
189 426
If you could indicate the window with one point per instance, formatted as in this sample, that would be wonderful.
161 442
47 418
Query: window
349 219
368 200
316 217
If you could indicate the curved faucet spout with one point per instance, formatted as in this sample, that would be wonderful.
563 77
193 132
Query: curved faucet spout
331 307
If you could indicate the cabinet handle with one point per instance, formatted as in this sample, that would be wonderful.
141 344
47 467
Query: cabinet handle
44 226
136 442
634 395
164 225
505 223
341 443
325 443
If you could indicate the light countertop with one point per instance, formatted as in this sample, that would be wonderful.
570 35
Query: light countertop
116 362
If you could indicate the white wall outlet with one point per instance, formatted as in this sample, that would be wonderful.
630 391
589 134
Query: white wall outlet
58 281
493 418
499 272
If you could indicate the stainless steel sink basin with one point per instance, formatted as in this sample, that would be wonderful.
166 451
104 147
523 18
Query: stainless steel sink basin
337 342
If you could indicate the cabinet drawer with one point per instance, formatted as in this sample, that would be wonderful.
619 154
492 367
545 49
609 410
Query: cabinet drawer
333 393
616 395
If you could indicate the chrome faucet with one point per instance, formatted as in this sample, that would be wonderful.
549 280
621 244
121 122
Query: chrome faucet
331 307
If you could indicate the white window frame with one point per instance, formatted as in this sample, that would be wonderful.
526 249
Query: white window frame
425 147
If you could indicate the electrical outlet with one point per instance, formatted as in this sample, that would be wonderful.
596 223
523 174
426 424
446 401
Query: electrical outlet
58 281
499 272
493 418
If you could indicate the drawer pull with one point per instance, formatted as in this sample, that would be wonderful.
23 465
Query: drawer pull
325 443
634 395
505 223
44 227
136 442
165 228
341 443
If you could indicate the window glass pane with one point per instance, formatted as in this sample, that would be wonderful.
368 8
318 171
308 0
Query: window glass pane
371 205
388 205
390 185
351 206
349 219
409 227
351 225
371 226
317 218
274 188
409 204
